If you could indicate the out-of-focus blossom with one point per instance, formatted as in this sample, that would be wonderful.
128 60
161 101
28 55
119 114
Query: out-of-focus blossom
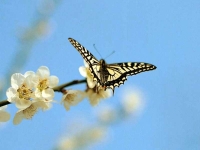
29 112
4 116
67 144
43 29
72 98
107 114
132 101
21 90
85 72
82 140
95 96
45 83
46 7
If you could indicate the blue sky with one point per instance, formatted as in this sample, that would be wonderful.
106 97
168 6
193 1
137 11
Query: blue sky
164 33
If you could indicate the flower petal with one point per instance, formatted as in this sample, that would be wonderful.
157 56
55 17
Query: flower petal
83 71
90 82
18 117
28 73
38 94
90 78
48 94
67 106
31 81
22 103
53 81
43 72
11 93
17 80
86 64
43 105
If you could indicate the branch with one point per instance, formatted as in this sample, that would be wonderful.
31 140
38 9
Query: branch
59 88
4 102
56 89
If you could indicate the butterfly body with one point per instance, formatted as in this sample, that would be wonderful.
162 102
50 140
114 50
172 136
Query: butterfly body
103 73
110 75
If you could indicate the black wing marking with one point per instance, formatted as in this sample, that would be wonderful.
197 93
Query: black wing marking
88 57
119 71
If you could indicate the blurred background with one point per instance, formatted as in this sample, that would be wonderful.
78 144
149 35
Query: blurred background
157 110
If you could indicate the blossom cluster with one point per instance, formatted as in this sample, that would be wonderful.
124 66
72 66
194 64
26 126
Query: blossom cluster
31 91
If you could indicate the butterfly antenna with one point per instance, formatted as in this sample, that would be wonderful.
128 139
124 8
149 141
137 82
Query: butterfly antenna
97 50
110 54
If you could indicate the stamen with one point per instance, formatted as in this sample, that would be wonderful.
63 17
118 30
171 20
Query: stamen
42 85
24 92
70 97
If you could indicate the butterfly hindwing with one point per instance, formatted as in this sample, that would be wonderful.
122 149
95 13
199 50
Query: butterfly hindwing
115 79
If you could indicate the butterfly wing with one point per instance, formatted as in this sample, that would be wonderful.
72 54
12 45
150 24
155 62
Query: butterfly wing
118 72
89 58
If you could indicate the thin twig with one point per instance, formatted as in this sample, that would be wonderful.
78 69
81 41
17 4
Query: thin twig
59 88
4 102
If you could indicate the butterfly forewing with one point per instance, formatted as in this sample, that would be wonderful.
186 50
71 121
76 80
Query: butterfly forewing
88 57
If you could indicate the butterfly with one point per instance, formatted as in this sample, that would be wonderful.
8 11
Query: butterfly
106 75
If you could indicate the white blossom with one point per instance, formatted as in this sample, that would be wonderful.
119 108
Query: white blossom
4 116
44 84
72 98
85 72
21 90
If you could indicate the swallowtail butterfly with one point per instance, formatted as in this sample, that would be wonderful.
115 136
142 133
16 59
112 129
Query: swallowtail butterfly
110 75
